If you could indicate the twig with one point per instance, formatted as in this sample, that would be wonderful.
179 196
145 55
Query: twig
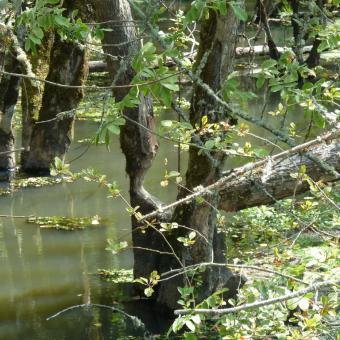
89 305
258 304
10 151
94 87
240 266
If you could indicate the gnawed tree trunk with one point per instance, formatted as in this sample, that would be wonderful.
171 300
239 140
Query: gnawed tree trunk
215 58
249 191
139 145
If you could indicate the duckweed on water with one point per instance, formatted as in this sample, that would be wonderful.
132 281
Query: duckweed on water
64 223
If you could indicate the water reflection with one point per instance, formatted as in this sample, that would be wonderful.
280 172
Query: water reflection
44 271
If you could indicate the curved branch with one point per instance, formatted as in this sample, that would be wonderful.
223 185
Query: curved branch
258 304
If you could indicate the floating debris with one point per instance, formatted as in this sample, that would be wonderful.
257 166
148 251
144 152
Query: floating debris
116 275
64 223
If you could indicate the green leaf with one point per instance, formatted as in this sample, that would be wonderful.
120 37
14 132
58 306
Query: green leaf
260 81
173 174
148 48
270 63
38 32
148 291
319 120
114 129
61 21
171 86
190 325
190 336
239 12
166 123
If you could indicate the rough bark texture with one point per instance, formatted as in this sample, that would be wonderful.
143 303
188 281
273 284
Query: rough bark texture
297 30
9 91
249 191
214 62
138 145
52 139
31 96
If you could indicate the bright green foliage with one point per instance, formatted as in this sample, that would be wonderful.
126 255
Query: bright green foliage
47 15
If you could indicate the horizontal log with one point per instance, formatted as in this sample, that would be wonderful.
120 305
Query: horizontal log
249 191
257 50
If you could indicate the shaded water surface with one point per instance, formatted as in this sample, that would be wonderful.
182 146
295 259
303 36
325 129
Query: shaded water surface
43 271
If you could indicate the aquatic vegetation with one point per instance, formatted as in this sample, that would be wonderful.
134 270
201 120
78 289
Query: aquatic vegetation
64 223
116 275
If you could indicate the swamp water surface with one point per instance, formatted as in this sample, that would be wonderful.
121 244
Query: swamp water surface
44 271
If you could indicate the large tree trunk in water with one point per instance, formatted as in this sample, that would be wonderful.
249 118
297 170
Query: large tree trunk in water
9 92
138 144
215 59
51 136
249 191
31 96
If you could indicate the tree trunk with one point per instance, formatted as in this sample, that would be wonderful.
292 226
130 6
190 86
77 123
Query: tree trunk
273 51
31 96
51 134
9 92
297 30
215 59
313 59
139 145
250 191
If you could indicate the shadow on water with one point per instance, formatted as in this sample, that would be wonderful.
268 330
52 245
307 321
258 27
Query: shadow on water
43 271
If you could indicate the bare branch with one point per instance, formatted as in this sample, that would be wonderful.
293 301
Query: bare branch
301 292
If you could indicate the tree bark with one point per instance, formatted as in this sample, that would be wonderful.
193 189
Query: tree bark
313 59
31 96
273 51
51 136
138 145
214 62
250 191
9 92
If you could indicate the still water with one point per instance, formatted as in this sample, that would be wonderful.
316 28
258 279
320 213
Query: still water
43 271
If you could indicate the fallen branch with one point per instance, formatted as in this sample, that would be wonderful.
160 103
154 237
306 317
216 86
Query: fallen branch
260 187
256 50
176 272
258 304
228 181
